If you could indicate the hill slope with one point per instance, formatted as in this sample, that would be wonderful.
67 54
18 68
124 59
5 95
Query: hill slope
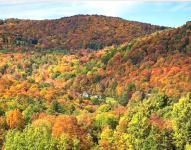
159 61
45 96
81 31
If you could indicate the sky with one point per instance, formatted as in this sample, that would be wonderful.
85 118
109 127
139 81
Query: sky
165 13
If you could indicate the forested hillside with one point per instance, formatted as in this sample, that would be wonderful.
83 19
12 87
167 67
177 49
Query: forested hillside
132 96
80 31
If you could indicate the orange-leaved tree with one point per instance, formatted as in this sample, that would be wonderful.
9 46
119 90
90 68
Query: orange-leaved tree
15 119
68 126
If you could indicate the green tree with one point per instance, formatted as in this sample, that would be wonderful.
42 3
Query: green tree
161 101
138 129
28 112
66 144
182 122
106 119
29 139
104 108
55 106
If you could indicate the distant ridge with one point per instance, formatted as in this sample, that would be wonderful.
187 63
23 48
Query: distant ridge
76 32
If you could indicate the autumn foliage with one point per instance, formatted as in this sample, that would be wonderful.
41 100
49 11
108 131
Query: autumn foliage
15 119
76 32
94 82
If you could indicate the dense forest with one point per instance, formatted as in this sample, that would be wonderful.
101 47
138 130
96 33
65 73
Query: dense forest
71 33
94 83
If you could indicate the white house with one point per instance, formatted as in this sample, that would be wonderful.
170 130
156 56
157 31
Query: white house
86 95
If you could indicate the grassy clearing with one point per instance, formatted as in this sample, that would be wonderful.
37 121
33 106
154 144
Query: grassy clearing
110 100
